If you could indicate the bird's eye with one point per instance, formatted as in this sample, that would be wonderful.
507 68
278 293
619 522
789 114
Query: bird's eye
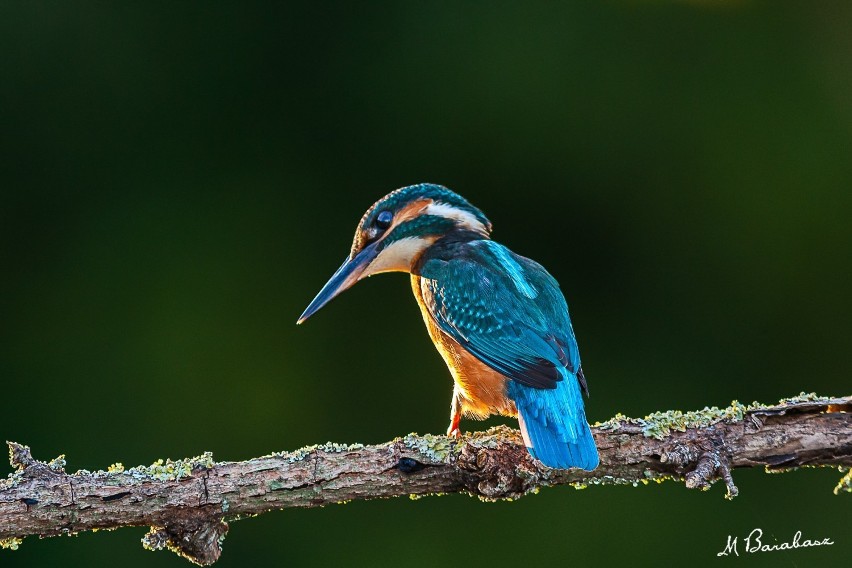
383 221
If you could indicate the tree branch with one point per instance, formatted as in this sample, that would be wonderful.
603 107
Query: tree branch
187 502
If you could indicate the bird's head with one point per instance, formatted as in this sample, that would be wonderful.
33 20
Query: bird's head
396 230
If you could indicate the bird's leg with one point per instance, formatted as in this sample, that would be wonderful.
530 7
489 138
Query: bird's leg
455 415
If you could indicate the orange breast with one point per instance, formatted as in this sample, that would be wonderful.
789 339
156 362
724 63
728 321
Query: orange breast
482 389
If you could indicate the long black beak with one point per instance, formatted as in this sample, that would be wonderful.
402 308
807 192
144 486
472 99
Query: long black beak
347 275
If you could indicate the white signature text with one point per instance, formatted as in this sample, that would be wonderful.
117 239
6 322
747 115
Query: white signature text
754 543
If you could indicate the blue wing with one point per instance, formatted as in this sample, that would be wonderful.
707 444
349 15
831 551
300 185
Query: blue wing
510 314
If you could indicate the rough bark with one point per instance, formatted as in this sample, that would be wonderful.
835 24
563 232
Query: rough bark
187 503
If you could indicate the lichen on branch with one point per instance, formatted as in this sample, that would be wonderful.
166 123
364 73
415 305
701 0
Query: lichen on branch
187 503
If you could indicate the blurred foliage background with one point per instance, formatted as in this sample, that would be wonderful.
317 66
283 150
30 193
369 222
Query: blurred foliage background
178 181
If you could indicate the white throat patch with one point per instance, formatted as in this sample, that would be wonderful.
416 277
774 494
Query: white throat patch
398 256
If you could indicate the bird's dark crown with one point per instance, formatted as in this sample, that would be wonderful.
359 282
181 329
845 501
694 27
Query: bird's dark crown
420 210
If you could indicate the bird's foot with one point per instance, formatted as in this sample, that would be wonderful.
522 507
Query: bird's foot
453 430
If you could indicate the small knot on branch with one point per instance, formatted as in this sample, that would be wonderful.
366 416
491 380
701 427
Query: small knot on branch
409 465
197 540
496 466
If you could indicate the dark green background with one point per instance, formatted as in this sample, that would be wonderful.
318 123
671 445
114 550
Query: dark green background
179 181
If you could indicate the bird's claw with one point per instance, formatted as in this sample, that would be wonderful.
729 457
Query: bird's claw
453 432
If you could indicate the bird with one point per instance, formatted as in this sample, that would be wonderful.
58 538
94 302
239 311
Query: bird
498 319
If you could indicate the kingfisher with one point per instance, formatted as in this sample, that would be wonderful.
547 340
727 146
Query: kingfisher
498 319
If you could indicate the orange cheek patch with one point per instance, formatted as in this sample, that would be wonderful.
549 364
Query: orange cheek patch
409 212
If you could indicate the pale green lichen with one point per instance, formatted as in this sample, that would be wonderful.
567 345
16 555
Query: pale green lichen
614 422
772 470
845 483
435 447
159 538
804 397
296 455
160 470
609 480
658 425
418 496
12 480
11 543
302 453
167 470
490 438
155 539
335 448
57 463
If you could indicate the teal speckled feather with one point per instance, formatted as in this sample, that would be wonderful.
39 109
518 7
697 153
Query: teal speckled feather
509 313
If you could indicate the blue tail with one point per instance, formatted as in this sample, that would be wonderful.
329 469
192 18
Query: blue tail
553 422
